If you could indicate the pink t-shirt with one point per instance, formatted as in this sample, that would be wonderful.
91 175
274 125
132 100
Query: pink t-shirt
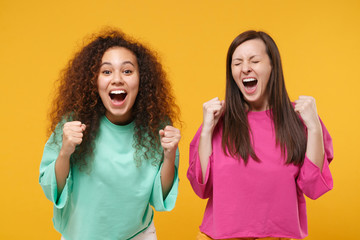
261 199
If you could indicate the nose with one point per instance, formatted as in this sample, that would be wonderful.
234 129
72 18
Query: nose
246 68
117 79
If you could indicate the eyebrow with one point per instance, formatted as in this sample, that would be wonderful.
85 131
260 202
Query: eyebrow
123 63
250 57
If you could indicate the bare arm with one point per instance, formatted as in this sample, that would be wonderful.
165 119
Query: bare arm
62 168
72 136
306 107
169 137
212 111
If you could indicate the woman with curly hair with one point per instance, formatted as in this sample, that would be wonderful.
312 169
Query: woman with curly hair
257 154
112 152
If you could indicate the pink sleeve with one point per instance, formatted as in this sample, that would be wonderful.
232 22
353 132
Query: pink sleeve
194 174
311 180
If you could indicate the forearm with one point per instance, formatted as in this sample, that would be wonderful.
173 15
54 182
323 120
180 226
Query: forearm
167 174
315 145
62 168
205 150
212 111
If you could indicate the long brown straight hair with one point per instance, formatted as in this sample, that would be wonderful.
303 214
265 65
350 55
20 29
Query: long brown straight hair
289 129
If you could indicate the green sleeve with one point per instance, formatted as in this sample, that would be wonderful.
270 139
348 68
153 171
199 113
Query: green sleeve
156 198
47 178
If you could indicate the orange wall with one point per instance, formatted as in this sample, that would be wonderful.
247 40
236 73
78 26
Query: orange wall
319 44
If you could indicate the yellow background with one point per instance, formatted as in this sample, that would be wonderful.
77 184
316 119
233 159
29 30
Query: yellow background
319 43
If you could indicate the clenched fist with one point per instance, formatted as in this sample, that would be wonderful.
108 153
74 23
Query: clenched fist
72 136
305 106
169 139
212 111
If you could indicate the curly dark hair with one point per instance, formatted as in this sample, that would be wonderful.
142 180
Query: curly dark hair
77 96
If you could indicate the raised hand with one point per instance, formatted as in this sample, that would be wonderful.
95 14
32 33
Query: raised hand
169 139
72 136
305 106
212 111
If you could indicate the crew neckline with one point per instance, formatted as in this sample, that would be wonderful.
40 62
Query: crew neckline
259 114
115 127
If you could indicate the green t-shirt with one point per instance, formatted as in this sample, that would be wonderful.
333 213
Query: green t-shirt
111 200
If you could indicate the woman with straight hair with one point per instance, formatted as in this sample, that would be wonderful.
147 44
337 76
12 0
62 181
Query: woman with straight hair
257 154
113 151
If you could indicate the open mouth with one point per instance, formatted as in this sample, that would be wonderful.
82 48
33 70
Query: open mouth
250 85
250 82
118 96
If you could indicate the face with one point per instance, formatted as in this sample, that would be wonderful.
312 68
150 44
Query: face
251 69
118 84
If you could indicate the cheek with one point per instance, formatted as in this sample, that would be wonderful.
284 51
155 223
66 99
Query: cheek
234 73
266 75
236 76
102 84
135 85
136 91
101 87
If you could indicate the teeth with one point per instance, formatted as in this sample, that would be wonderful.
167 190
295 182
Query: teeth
249 79
117 92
